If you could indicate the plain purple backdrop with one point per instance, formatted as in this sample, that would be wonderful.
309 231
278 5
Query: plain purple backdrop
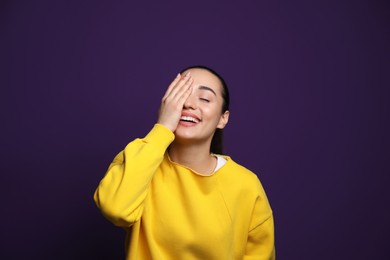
310 109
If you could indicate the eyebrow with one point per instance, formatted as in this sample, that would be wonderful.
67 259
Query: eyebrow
207 88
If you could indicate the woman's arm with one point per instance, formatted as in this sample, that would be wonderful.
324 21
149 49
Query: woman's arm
261 241
121 192
260 244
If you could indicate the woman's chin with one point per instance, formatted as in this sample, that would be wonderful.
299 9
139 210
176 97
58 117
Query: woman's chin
184 135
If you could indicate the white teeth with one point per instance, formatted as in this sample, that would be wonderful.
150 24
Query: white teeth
189 118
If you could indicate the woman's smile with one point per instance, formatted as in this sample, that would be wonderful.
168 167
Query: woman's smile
189 119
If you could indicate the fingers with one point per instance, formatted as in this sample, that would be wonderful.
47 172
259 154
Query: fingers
178 86
184 92
182 97
172 85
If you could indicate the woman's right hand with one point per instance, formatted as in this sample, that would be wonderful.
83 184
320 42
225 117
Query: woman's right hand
173 101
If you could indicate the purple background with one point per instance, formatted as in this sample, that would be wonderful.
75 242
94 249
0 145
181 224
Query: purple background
309 83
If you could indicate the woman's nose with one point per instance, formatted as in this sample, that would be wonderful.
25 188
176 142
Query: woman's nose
190 103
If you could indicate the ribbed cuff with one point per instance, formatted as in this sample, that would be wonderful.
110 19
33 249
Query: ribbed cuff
160 136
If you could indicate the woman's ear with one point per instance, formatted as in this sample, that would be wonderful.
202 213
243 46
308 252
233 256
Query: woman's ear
223 120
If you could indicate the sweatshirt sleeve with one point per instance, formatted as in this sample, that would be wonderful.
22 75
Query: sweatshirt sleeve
261 242
121 193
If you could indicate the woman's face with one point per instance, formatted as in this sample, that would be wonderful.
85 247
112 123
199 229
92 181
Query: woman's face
202 111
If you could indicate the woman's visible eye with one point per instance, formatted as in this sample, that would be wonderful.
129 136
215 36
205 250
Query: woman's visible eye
204 99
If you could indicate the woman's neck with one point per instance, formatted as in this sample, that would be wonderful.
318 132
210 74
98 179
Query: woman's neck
194 156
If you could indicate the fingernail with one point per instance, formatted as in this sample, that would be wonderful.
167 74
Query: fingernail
188 74
178 75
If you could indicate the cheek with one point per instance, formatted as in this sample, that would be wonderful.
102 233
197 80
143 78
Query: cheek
212 113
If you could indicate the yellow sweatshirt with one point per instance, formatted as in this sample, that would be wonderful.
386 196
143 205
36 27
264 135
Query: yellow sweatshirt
173 212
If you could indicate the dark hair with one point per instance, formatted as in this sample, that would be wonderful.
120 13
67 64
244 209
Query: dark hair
217 141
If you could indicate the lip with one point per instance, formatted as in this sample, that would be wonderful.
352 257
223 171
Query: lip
189 124
184 113
186 124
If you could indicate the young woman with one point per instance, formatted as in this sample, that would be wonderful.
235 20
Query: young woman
176 194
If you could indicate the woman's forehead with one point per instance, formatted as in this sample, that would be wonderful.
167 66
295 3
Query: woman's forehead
205 78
